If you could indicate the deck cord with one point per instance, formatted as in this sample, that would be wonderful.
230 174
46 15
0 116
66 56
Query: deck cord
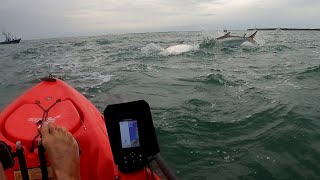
43 119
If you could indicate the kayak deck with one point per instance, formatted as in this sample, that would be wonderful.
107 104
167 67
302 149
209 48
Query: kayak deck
68 108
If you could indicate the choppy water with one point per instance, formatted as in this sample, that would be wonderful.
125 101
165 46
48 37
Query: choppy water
220 113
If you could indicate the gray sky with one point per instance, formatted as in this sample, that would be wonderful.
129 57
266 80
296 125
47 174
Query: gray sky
32 19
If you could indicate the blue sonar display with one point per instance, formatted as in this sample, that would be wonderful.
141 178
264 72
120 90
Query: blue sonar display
129 133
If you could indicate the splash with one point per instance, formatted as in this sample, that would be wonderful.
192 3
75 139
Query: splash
151 48
171 50
249 45
179 49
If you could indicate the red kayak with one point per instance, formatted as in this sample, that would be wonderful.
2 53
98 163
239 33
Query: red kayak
58 102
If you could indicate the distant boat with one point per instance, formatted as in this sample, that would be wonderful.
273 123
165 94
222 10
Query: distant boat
278 30
10 39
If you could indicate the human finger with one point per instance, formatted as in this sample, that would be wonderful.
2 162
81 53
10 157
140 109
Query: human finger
51 127
61 129
45 130
2 175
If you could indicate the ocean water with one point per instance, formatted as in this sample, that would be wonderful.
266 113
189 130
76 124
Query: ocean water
247 112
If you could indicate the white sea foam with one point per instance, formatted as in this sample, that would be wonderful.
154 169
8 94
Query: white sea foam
151 48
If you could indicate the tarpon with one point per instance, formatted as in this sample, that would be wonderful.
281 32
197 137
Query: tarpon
230 40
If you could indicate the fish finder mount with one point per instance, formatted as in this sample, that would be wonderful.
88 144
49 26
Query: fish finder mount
6 156
131 134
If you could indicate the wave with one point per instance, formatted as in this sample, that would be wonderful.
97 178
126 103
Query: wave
280 48
314 69
310 71
90 80
151 48
269 77
312 46
141 67
198 103
84 50
261 122
80 43
103 42
30 51
217 79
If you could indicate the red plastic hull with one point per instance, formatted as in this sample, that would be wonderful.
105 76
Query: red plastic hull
75 113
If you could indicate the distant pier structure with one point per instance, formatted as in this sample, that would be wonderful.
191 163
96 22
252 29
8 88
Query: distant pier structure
285 29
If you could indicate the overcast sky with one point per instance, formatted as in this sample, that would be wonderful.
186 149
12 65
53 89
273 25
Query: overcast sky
32 19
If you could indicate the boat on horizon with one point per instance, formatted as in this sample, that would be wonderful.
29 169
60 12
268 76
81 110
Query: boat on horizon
10 39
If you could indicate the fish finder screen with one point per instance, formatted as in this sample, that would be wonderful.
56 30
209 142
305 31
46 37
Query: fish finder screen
129 133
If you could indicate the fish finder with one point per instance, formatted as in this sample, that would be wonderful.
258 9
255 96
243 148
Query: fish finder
131 134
